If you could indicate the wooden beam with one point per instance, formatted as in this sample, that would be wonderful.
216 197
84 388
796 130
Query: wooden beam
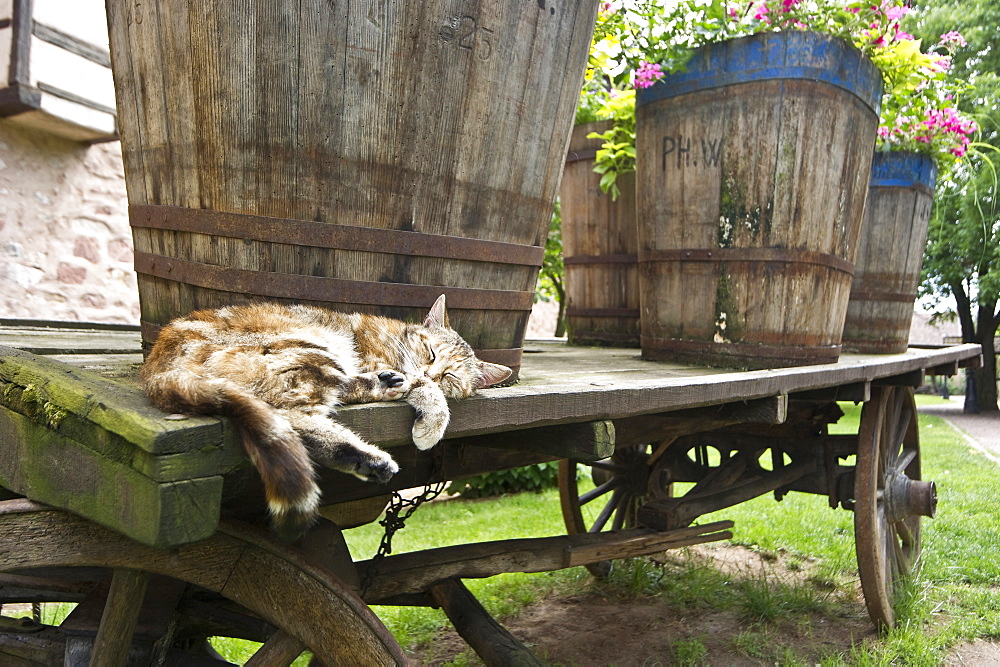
115 407
45 647
725 487
948 369
913 378
155 620
857 392
585 441
417 572
121 613
281 648
656 427
325 546
42 464
490 640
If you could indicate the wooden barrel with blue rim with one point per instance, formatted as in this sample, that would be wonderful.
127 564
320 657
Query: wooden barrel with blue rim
890 253
752 174
363 156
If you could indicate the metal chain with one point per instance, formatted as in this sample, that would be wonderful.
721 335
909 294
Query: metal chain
398 512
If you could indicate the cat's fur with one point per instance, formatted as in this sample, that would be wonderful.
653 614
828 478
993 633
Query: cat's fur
280 371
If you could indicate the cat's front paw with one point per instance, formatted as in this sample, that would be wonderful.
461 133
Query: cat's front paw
432 414
428 430
394 385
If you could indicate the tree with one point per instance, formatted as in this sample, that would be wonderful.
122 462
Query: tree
962 259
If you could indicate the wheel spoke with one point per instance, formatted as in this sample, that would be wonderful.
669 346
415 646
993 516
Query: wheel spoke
599 491
602 518
610 467
904 438
621 513
908 532
280 649
903 462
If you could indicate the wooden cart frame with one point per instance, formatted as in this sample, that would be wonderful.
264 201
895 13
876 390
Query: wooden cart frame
152 522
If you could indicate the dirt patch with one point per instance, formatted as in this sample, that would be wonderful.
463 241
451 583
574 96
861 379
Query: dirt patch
975 653
598 628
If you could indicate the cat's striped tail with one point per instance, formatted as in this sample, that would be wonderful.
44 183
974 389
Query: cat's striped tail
275 449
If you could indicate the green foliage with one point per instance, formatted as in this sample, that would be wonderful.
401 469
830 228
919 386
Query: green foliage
529 478
961 267
617 154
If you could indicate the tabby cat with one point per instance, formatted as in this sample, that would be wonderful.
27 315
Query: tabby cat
280 371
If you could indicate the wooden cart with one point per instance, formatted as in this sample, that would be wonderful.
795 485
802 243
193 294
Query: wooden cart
153 522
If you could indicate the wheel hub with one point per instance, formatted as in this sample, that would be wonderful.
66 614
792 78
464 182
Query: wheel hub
905 497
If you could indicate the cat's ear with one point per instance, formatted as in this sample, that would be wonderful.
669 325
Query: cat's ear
491 374
438 317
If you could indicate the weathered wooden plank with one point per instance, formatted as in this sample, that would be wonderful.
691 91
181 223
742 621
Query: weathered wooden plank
643 545
947 369
280 648
586 441
121 410
31 649
244 492
206 461
121 614
51 468
23 588
564 385
912 378
491 641
859 392
40 337
419 571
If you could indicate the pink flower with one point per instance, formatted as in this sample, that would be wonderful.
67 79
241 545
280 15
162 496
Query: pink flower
943 63
786 5
733 12
647 74
901 36
760 13
953 38
893 11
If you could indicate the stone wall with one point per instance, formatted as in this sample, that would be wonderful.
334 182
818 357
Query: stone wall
65 244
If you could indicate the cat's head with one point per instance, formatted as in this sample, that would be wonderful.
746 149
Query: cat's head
448 360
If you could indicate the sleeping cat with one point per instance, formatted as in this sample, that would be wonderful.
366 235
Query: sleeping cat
280 371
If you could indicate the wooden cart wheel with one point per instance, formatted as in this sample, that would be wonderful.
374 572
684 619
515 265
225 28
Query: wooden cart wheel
312 609
609 497
889 499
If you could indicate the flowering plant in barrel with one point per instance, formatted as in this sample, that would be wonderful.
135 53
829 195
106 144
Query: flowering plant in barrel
920 113
636 43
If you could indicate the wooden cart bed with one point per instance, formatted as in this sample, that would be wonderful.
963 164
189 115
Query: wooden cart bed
77 434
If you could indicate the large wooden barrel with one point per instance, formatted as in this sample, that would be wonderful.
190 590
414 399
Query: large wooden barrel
363 156
890 253
752 175
599 248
